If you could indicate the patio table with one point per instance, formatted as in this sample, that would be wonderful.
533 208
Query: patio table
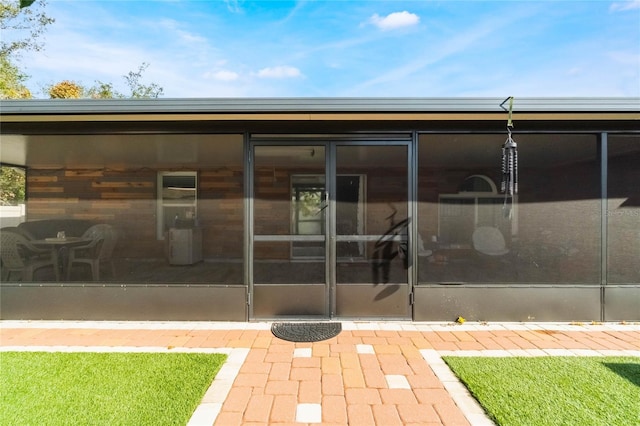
57 245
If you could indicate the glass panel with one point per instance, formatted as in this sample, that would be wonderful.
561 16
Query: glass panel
371 214
548 233
623 210
75 181
289 214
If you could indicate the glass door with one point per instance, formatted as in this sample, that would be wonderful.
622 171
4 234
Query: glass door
330 230
290 222
372 231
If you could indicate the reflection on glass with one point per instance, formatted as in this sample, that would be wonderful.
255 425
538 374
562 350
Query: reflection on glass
471 233
623 210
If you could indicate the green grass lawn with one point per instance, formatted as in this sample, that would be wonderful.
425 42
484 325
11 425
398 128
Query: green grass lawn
42 388
544 391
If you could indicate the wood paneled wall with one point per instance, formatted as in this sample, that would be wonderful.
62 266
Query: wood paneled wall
127 200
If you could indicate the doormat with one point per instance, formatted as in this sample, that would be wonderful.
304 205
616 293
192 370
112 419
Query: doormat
306 331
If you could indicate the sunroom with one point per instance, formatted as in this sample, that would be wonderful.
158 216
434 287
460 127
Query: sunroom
261 209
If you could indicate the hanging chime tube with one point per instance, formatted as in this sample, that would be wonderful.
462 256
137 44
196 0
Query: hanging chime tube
509 184
509 167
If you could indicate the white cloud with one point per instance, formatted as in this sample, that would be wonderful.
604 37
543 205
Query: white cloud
395 20
624 5
233 6
574 71
222 75
461 42
86 59
182 35
279 72
627 58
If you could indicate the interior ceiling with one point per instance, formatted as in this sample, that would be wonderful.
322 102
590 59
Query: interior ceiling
167 150
129 150
13 149
485 151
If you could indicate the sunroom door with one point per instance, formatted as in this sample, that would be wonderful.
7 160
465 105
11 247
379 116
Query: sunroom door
290 222
330 230
372 260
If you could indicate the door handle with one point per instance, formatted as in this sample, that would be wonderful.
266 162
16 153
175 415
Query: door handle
325 203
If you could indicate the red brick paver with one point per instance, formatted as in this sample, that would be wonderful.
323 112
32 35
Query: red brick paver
350 387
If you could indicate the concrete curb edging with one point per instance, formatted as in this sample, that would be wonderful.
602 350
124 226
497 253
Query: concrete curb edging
470 408
211 404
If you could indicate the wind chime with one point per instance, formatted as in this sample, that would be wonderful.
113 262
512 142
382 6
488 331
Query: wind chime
509 184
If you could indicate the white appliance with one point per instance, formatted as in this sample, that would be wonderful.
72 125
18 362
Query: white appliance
184 246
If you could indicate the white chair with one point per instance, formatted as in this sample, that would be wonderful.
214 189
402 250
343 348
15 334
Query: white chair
422 251
490 241
96 253
18 255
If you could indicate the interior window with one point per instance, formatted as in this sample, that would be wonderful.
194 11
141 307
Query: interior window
478 183
476 204
177 201
308 213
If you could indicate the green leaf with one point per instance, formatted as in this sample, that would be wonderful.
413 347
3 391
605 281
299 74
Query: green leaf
26 3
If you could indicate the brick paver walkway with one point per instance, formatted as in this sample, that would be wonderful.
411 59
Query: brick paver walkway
371 374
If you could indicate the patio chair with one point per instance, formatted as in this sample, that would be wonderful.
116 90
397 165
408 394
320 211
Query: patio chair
20 256
97 253
489 241
422 250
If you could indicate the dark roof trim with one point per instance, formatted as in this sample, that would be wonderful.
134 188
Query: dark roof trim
302 105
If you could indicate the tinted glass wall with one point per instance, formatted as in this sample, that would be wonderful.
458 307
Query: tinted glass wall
469 232
623 210
172 206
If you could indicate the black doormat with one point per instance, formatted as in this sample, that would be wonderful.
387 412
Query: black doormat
306 331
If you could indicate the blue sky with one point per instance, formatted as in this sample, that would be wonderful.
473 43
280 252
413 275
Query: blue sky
239 48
